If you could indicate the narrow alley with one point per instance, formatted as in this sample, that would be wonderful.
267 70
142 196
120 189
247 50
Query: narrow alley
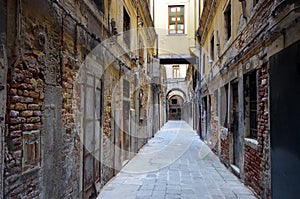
149 99
175 164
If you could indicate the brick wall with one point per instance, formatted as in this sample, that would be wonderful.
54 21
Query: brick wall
224 155
25 98
264 130
214 126
252 168
71 139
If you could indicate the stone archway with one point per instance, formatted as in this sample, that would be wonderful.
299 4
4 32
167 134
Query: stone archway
175 99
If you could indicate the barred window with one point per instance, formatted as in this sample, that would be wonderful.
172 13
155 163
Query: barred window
250 87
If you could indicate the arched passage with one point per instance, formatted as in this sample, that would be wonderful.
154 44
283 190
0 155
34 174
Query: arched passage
175 99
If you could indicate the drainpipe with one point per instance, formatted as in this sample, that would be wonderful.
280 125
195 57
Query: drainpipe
199 93
199 81
153 12
156 45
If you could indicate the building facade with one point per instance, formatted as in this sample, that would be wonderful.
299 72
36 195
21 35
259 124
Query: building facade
76 94
243 44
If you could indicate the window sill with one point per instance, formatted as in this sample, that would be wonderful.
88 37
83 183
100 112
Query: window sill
176 34
235 169
253 143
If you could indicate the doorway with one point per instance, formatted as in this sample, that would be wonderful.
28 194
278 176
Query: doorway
175 107
234 126
91 106
284 122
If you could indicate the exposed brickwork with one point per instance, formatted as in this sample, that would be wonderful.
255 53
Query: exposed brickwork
25 98
33 69
252 168
71 136
224 155
69 73
112 93
107 117
264 131
214 127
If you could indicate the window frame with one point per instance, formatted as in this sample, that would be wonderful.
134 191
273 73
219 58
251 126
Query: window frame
251 104
176 23
126 27
176 71
174 101
212 47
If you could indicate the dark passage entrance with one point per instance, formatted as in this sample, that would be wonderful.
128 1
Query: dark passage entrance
234 127
285 131
175 106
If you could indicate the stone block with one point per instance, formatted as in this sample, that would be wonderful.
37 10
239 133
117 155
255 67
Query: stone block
33 119
34 107
20 106
34 94
18 120
26 113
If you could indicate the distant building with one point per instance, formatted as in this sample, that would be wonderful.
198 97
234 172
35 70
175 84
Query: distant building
175 23
249 56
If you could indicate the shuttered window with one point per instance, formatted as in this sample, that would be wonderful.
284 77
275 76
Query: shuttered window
31 150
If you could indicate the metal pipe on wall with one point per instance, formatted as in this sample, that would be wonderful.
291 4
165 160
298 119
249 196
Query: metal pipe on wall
199 80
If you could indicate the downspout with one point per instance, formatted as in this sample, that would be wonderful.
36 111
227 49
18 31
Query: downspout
153 11
156 45
199 80
199 93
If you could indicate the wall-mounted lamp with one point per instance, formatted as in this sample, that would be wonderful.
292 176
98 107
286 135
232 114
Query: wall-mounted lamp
113 26
211 62
140 21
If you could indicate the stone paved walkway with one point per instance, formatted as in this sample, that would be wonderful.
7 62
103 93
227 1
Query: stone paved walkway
175 164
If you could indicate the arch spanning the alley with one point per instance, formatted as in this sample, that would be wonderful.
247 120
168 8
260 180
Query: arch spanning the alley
176 91
175 100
